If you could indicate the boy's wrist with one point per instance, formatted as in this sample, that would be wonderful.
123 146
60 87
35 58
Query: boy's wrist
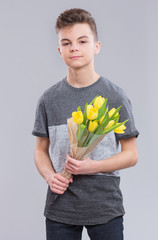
49 176
95 166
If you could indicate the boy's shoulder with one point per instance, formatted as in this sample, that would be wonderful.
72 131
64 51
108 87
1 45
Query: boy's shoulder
112 90
52 88
51 91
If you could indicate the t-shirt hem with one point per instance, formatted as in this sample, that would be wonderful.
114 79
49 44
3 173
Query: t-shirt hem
84 222
125 136
39 134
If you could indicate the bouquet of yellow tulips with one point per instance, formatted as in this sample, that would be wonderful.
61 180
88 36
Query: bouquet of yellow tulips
87 129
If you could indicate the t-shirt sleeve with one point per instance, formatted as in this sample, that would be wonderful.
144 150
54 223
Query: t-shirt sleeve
41 123
126 113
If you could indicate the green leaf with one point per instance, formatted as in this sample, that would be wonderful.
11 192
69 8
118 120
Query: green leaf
93 138
78 109
117 110
101 111
116 119
85 114
86 142
93 100
106 118
87 124
114 126
83 137
100 128
80 131
107 109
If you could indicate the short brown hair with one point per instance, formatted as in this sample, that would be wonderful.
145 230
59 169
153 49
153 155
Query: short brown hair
73 16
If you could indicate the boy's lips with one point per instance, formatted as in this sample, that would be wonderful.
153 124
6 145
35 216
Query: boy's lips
75 57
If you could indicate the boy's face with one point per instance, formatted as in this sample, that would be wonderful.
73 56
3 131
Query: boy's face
77 45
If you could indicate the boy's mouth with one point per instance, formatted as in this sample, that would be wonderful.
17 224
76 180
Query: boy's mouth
75 57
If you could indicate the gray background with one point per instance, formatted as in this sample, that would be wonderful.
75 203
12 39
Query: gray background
30 64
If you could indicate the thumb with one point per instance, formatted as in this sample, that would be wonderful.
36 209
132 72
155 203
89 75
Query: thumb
71 179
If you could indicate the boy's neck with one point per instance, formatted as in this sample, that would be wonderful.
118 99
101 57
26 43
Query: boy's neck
81 78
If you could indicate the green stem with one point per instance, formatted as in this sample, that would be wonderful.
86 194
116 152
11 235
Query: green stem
85 141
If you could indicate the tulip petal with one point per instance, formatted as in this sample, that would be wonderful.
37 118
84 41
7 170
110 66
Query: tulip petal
93 100
77 117
99 102
101 111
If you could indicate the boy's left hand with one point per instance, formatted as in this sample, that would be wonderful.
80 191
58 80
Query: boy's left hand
85 166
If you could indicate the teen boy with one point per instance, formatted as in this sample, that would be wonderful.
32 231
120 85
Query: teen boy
91 198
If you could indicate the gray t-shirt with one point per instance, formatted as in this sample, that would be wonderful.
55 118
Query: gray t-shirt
90 199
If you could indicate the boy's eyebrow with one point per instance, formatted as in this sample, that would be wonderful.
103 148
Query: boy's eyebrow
66 39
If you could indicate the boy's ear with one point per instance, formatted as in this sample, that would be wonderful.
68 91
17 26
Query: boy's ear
97 47
59 52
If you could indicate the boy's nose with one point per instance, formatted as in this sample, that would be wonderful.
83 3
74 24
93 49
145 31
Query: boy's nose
74 47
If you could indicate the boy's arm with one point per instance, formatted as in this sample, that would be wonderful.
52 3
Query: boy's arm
128 157
57 183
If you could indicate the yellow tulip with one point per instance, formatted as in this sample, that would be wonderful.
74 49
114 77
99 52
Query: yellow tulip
120 129
99 102
110 124
89 107
92 113
101 119
92 125
111 112
77 117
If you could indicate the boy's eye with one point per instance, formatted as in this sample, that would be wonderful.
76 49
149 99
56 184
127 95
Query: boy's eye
65 44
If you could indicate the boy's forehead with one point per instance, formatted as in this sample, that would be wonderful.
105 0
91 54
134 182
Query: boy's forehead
75 31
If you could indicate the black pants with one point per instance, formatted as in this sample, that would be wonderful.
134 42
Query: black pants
112 230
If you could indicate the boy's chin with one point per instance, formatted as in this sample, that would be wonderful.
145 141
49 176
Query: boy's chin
76 67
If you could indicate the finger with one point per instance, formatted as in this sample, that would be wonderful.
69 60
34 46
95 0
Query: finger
71 179
62 179
71 167
59 183
73 161
55 190
59 188
71 171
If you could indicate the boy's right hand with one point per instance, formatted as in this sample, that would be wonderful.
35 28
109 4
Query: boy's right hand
58 183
